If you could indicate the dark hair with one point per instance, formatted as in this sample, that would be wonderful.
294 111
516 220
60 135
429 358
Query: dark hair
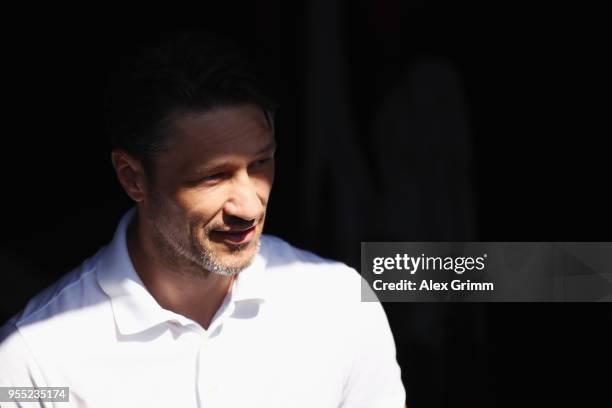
189 72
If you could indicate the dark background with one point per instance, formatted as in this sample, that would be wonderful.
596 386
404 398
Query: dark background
397 122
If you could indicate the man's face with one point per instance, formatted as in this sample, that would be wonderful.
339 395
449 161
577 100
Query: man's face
207 203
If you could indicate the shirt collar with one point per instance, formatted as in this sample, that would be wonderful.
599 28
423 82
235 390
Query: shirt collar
136 310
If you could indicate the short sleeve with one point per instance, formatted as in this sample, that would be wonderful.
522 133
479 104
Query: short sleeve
374 379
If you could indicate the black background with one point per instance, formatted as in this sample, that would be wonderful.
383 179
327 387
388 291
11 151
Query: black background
536 93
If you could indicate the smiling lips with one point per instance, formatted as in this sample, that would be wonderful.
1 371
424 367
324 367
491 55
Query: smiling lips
236 237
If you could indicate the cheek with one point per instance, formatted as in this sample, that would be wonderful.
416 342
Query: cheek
264 184
201 207
263 191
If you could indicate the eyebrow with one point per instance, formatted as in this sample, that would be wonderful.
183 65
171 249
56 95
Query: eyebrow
267 148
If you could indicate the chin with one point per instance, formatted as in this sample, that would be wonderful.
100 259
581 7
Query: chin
237 256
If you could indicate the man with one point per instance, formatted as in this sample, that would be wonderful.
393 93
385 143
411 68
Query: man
190 305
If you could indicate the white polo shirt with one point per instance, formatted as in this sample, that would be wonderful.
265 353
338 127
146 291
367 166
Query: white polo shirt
292 332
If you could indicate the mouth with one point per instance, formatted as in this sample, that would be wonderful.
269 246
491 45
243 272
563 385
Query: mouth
234 237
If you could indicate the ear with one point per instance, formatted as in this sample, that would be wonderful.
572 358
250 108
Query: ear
130 174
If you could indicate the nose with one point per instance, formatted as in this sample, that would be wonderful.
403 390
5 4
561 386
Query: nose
243 201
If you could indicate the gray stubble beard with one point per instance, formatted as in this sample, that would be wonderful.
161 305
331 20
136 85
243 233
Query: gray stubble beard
197 261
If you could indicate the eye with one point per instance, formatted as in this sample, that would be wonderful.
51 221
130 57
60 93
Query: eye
261 161
210 179
213 177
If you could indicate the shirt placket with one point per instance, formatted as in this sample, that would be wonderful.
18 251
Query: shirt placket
207 380
204 380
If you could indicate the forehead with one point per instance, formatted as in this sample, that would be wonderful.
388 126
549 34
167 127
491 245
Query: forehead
222 133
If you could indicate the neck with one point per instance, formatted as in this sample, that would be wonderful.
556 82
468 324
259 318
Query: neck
197 296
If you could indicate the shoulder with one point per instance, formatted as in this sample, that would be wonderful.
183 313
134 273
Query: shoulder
327 294
298 267
280 253
49 319
315 288
69 293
